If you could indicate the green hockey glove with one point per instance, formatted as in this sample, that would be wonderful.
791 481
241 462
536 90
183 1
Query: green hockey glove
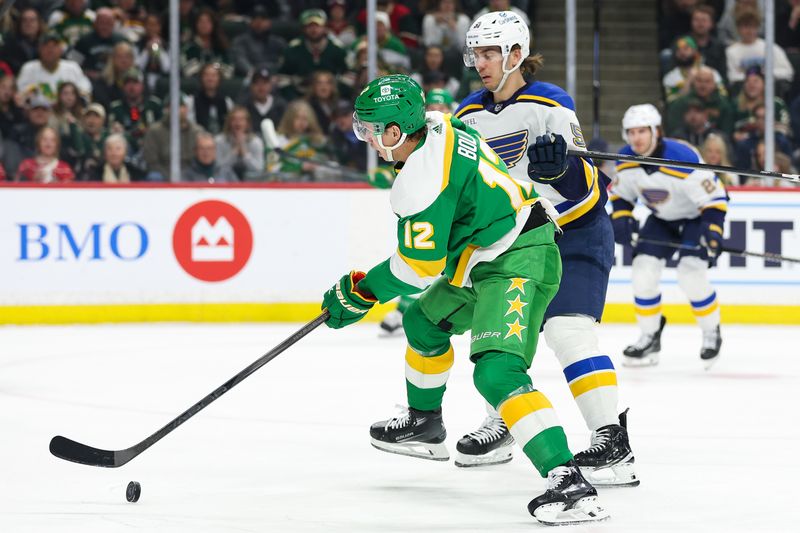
345 303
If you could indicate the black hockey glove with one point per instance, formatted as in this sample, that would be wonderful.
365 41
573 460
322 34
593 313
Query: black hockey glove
547 158
624 226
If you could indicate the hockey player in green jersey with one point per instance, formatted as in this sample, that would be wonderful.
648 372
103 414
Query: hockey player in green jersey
484 243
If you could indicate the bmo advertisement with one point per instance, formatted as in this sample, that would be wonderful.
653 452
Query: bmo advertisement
96 254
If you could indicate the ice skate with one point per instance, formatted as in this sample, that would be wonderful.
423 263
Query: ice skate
490 444
569 499
609 460
645 351
414 433
392 324
712 340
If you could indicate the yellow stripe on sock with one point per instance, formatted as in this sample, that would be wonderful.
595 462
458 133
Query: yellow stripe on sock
594 381
430 365
648 311
707 311
517 407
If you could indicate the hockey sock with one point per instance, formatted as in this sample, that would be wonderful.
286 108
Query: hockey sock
503 380
590 373
426 378
693 280
646 273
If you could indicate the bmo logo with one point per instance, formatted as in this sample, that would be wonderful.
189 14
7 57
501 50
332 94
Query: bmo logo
212 241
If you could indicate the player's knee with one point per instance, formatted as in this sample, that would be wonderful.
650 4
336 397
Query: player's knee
498 374
692 273
421 333
645 274
571 337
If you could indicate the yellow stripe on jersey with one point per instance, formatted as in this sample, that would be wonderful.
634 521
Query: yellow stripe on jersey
468 108
623 166
463 261
621 213
672 172
722 206
448 151
425 269
538 99
581 209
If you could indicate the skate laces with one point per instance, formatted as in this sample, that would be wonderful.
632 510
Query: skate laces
710 339
491 429
401 419
556 477
643 341
600 440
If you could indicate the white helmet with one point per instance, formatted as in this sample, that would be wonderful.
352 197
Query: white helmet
642 116
499 28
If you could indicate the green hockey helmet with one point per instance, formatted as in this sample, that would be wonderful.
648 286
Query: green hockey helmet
389 99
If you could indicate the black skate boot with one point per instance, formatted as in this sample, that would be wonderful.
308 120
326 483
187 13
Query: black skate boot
609 460
392 324
490 444
644 352
569 499
712 341
414 433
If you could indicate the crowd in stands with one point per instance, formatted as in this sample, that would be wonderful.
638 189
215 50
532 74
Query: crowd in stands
267 85
712 61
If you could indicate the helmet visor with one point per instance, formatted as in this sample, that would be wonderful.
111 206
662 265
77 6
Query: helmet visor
469 57
365 130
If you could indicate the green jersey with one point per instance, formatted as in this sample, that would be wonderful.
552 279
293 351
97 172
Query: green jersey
456 206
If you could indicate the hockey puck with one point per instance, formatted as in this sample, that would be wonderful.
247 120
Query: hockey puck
133 491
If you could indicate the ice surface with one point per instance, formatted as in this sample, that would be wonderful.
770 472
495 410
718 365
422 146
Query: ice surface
288 449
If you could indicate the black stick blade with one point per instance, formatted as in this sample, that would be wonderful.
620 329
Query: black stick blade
76 452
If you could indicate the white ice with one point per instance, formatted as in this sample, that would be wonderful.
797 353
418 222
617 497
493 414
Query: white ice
288 449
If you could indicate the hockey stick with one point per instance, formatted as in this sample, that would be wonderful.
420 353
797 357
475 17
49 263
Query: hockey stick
733 251
656 161
76 452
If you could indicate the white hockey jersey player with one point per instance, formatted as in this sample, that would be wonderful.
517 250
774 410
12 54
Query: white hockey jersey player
539 107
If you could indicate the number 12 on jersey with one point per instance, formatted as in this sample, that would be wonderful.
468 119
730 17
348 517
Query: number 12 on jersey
417 235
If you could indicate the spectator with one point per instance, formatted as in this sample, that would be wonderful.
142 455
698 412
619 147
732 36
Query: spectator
346 147
503 5
686 58
208 46
782 164
156 144
109 86
787 26
445 26
704 88
92 140
403 22
323 97
339 26
238 149
45 167
751 96
439 100
299 135
703 32
675 20
204 165
21 143
72 22
187 14
115 167
43 75
152 54
67 113
313 51
11 112
208 107
726 27
130 17
715 152
261 103
749 51
745 150
133 113
433 61
392 53
258 46
92 50
696 126
23 45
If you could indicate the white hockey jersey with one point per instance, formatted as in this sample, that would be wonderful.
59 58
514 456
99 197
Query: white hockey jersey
509 127
670 192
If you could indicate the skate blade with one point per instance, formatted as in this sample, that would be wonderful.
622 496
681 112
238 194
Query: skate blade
585 510
432 452
496 457
708 363
648 360
619 475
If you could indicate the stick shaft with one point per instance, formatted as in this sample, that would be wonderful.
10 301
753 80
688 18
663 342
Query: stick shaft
733 251
657 161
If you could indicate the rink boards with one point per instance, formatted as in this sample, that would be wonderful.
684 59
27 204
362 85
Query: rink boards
267 253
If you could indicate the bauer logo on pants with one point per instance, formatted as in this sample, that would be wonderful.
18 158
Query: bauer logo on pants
212 240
